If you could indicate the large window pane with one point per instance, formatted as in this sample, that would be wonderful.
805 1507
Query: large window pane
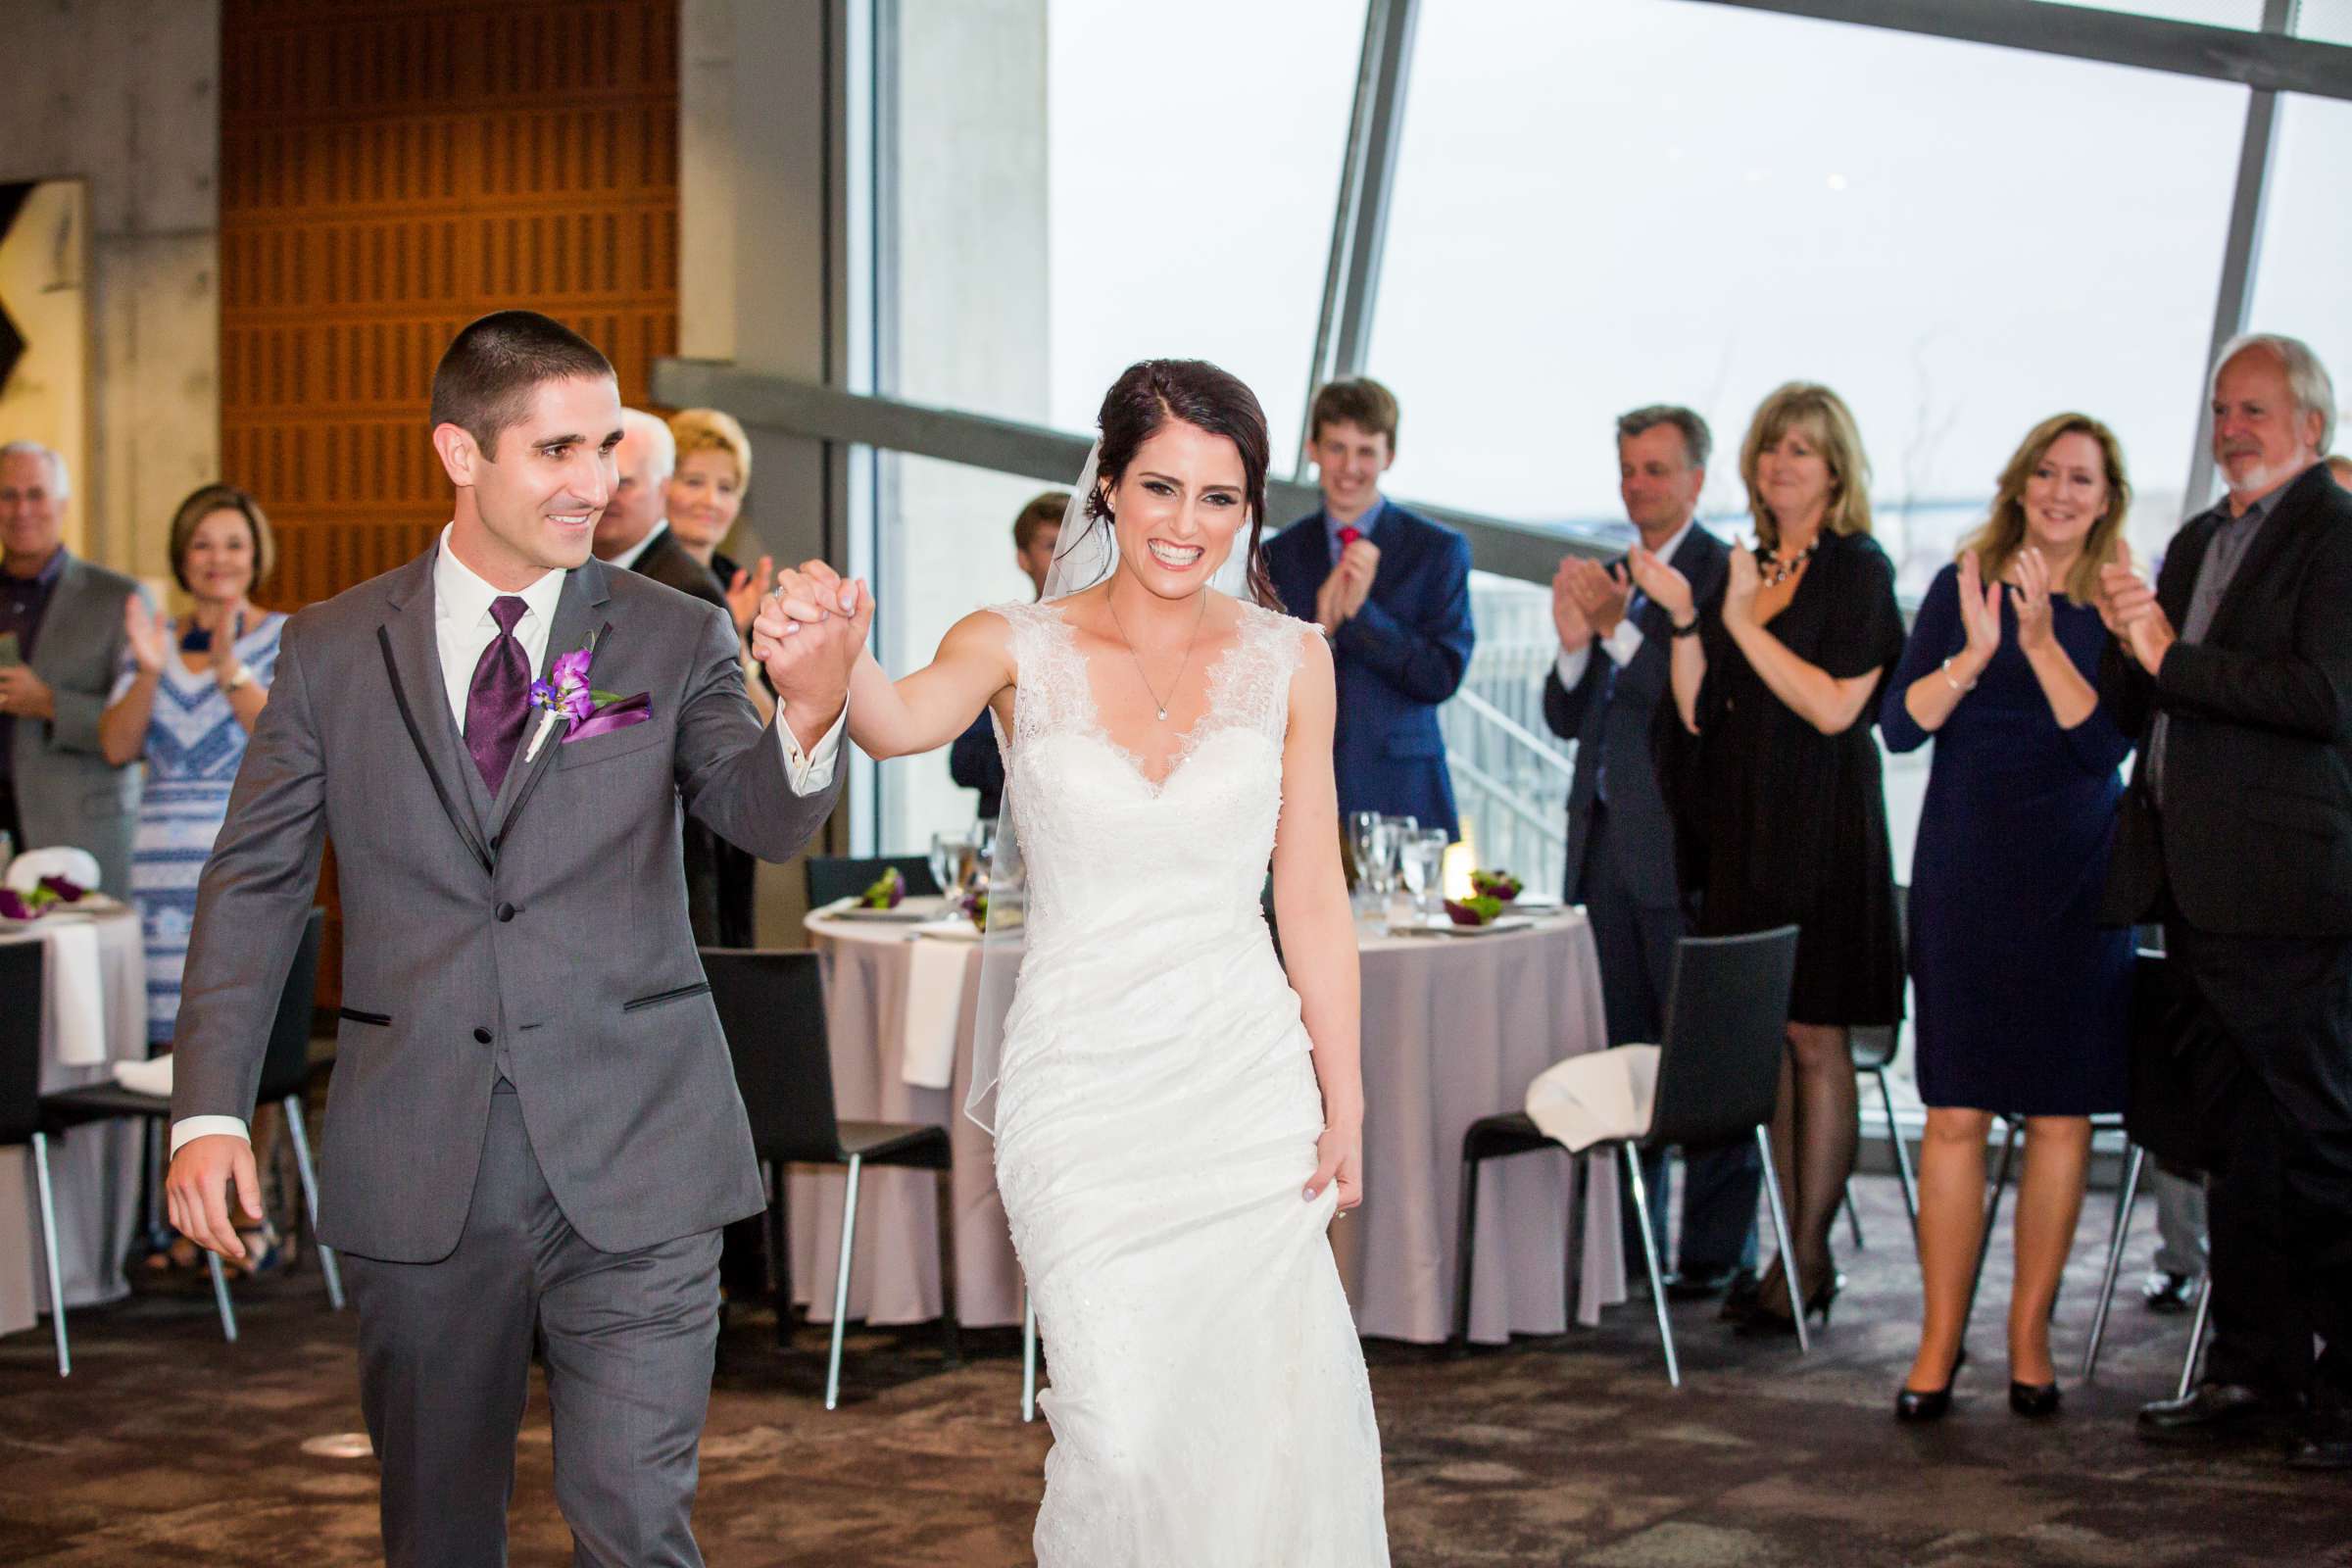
2327 21
1080 184
1629 201
2299 282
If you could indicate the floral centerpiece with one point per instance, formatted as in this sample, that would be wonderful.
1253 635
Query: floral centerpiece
888 891
47 895
1480 909
1499 886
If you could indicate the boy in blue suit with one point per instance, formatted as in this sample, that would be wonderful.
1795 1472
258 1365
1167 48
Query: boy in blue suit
1391 591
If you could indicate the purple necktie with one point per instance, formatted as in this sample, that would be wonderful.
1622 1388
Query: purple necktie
499 699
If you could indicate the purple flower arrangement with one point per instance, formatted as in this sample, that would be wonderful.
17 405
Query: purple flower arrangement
51 892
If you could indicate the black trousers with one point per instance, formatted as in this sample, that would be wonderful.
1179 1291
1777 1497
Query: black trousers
2273 1076
1635 942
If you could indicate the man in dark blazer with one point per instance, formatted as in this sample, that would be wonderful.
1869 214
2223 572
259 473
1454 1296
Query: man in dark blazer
1391 591
2236 833
534 1135
1603 693
634 535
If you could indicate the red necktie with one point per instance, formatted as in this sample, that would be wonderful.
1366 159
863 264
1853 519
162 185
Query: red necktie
1349 535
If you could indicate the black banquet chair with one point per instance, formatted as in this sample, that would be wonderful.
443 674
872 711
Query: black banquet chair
1718 1076
285 1073
771 1004
845 877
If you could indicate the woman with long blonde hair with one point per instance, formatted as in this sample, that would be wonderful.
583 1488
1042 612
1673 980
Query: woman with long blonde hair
1780 817
2023 997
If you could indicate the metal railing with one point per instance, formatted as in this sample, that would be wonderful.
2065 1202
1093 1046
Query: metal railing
1510 774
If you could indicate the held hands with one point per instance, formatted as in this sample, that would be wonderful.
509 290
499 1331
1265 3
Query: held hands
196 1192
1349 584
2029 578
746 591
1340 1157
809 633
1980 619
149 644
1740 587
1602 592
1665 587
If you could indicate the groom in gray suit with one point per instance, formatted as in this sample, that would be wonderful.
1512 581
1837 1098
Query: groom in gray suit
533 1132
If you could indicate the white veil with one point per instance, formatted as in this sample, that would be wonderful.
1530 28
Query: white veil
1085 554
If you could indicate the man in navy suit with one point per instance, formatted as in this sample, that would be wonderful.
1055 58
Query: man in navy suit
1603 693
1391 591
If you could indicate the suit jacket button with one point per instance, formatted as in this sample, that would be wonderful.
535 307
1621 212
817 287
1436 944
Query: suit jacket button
506 911
482 1036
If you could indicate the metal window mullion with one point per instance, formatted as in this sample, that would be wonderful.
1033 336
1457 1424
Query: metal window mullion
2242 251
1342 218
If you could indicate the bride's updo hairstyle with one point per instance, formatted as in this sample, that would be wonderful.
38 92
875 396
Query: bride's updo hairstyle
1195 392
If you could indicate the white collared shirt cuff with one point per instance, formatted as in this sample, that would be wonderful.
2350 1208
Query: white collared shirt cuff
1624 643
1571 663
188 1129
813 773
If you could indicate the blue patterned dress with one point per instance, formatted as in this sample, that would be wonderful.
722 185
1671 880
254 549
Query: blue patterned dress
194 744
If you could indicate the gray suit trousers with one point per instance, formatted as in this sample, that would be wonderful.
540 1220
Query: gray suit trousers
445 1359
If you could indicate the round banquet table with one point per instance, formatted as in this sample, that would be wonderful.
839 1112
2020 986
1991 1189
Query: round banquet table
1454 1028
95 1168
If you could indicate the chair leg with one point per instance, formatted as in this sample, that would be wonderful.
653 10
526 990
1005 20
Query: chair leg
1853 1215
57 1285
2196 1335
840 1284
950 1345
1993 1216
1650 1256
1028 1357
1779 1237
779 1257
1465 1234
310 1198
1580 1189
229 1314
2124 1198
1903 1156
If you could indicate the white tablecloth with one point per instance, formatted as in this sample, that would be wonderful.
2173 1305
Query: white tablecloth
95 1168
1454 1029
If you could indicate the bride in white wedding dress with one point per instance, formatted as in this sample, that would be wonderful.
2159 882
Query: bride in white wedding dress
1178 1121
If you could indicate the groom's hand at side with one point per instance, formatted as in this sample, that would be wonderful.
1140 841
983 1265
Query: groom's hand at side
809 635
197 1192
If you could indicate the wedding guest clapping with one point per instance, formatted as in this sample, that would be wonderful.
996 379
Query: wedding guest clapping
1773 775
705 497
2023 997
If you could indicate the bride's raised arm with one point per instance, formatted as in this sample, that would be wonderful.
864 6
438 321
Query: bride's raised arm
1318 929
926 710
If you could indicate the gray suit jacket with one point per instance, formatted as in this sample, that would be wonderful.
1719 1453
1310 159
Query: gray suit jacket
67 791
542 935
1618 729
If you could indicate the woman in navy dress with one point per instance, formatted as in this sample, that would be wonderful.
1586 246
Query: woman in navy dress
2023 998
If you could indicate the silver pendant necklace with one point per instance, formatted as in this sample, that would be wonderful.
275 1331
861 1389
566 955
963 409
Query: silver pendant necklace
1160 704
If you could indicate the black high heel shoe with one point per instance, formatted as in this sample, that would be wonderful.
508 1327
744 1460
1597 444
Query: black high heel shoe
2034 1400
1921 1405
1764 1322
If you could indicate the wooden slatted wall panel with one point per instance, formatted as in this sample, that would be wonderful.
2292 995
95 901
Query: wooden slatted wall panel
389 170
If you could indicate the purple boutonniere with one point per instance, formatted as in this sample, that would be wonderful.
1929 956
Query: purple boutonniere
566 696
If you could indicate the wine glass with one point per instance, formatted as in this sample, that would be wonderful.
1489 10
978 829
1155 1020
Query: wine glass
949 862
1363 827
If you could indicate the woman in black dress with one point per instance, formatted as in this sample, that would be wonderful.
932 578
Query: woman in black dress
1773 776
2024 999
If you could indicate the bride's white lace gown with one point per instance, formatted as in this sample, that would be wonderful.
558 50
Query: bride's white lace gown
1156 1119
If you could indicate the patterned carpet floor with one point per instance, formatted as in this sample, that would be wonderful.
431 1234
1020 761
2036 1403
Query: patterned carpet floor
169 1447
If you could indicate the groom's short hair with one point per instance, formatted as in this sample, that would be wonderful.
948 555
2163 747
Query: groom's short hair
486 377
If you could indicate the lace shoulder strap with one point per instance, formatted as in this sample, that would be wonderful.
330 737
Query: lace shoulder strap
1049 671
1254 684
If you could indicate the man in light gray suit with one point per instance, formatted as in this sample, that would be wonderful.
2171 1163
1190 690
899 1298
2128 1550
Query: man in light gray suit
533 1130
60 647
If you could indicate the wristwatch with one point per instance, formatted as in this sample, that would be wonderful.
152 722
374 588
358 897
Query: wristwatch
244 677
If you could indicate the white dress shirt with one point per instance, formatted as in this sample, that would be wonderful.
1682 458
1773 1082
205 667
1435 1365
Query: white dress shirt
627 559
462 627
1625 642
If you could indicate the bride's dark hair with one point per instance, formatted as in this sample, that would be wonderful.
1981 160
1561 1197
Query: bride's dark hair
1150 394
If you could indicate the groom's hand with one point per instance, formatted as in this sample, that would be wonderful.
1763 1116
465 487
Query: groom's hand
197 1192
809 633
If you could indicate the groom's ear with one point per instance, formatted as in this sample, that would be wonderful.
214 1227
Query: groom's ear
458 453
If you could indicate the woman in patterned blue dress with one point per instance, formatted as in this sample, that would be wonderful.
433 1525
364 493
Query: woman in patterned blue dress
187 701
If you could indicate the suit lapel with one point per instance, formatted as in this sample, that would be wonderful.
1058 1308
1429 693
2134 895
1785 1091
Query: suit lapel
2285 520
578 613
412 660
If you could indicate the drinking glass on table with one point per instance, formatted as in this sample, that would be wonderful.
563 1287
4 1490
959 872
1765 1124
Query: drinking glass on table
1363 836
951 862
1398 831
1424 866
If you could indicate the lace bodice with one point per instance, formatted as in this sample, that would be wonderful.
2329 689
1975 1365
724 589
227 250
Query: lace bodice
1101 838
